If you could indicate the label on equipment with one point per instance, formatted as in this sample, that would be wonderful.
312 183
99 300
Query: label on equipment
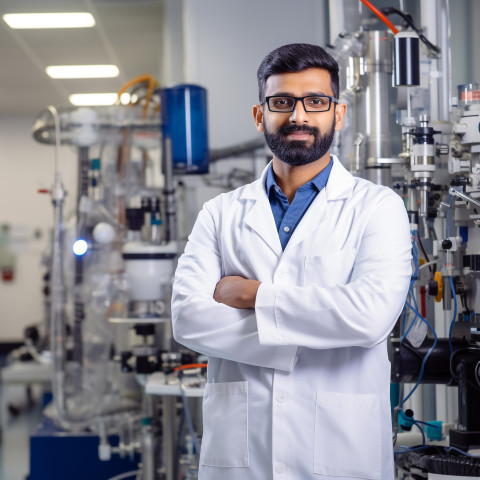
471 95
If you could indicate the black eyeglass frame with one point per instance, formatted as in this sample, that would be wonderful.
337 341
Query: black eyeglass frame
301 99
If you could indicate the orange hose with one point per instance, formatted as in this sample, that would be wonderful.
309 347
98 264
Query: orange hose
140 79
380 15
191 365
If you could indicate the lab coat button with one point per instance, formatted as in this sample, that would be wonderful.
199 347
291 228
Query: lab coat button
280 468
282 397
281 273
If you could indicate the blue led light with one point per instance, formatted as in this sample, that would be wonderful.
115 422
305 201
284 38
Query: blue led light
80 247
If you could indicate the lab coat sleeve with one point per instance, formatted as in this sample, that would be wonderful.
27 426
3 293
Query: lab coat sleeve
359 313
206 326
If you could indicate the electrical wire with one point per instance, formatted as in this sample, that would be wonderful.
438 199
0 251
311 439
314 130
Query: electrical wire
411 292
432 262
415 422
381 16
455 449
410 449
417 315
412 323
442 448
425 358
452 323
409 21
424 253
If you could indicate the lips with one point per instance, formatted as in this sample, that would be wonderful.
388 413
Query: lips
299 136
299 133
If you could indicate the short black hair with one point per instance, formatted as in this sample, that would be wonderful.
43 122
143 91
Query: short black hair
294 58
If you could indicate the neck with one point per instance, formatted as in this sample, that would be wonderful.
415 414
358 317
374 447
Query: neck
290 178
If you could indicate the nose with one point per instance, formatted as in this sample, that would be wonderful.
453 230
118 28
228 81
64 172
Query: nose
299 115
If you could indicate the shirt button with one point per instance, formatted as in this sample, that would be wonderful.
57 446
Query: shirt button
281 397
280 468
286 229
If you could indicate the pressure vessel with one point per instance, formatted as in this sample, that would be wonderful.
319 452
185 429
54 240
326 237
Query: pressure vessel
184 127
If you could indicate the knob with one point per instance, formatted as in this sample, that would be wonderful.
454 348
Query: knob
447 244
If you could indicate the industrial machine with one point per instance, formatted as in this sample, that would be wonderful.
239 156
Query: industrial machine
428 150
109 278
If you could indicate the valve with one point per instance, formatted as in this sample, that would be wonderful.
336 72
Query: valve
447 244
435 287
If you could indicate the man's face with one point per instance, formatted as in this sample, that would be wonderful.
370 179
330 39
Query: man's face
299 137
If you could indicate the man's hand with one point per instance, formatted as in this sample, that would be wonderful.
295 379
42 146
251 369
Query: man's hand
236 292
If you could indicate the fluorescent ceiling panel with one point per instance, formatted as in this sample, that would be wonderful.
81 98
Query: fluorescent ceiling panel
82 71
49 20
97 99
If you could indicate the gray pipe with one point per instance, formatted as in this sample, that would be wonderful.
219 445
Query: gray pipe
169 191
236 150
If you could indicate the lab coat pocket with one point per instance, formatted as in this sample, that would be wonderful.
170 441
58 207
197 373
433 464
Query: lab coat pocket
347 435
330 269
225 425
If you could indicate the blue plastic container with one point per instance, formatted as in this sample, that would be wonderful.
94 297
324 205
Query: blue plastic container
184 121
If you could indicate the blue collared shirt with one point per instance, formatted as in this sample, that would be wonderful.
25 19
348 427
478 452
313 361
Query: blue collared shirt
286 216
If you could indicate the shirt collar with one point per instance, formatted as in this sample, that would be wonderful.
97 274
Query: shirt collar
319 181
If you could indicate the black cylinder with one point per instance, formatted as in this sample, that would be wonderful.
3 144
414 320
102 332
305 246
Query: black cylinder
407 59
406 361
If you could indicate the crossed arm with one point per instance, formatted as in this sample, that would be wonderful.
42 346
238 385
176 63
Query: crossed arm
202 314
236 292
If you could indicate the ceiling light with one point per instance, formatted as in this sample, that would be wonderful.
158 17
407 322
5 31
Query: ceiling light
82 71
49 20
97 99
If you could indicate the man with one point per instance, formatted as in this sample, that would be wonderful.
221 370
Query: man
291 286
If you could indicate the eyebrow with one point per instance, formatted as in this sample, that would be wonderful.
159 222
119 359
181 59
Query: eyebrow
307 94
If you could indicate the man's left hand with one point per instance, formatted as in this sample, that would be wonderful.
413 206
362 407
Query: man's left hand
236 292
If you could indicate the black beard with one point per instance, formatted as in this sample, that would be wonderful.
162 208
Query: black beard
296 152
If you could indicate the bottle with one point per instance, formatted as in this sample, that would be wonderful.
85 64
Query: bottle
7 257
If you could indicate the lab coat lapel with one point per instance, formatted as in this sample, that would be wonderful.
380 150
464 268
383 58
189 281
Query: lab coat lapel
312 220
340 184
260 217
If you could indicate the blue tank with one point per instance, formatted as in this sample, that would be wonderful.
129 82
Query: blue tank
184 121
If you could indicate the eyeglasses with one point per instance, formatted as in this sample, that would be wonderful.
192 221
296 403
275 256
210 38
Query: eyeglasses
287 104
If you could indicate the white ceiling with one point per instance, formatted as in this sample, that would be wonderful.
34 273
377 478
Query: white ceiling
127 33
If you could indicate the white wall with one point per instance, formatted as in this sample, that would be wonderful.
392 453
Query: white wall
226 40
26 166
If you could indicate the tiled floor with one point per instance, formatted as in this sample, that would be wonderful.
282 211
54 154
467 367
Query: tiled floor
15 436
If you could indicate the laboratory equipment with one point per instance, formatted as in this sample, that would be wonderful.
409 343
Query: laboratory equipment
430 155
109 277
184 121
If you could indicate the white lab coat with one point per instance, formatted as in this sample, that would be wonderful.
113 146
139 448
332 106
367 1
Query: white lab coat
298 388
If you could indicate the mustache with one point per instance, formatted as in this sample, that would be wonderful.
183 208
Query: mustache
288 129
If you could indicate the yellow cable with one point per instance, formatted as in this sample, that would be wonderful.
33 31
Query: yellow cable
140 79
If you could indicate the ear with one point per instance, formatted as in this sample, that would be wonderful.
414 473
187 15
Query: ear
340 111
258 117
